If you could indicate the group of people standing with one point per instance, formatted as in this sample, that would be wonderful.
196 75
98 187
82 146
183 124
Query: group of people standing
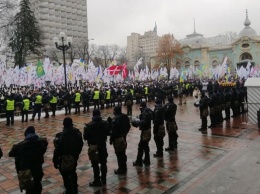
29 153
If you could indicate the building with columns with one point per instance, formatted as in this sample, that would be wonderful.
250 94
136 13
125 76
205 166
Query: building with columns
211 51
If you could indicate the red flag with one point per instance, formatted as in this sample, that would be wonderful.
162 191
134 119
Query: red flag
114 69
125 71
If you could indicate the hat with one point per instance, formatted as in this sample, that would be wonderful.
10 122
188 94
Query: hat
96 112
158 101
117 109
67 122
170 99
143 104
29 130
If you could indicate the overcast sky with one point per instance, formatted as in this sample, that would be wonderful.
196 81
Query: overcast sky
111 21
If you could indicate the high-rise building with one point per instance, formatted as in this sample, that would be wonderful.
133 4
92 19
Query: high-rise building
55 16
142 46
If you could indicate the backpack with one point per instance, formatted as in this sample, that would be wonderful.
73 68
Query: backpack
67 163
25 179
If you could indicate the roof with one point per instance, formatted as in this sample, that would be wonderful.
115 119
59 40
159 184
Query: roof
252 82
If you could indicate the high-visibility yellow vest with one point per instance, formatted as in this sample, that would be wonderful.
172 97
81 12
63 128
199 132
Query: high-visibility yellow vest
38 99
146 90
132 91
96 95
26 103
108 95
54 100
9 104
77 98
187 86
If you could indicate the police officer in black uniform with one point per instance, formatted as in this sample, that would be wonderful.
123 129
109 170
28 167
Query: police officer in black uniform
129 102
203 105
144 125
171 125
67 102
29 156
227 97
68 145
158 127
119 130
95 133
85 100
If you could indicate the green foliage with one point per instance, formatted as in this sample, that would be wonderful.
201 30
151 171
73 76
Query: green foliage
25 37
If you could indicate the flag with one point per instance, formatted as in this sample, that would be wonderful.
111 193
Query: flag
125 71
40 71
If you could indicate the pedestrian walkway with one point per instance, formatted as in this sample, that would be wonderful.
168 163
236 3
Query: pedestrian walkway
202 163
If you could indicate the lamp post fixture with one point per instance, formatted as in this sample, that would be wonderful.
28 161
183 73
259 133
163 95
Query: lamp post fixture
63 45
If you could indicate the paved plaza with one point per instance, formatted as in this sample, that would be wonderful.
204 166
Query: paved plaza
225 160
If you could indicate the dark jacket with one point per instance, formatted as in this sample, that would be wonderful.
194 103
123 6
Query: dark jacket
145 117
170 112
96 131
120 126
67 142
158 115
29 153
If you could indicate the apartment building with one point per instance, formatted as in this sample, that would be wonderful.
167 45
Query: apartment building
142 46
55 16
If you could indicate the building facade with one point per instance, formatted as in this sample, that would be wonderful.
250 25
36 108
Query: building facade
142 46
212 51
55 16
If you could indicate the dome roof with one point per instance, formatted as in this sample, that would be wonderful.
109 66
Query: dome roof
195 39
247 31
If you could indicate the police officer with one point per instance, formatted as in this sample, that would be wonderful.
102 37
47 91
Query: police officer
171 126
37 106
85 100
203 105
129 102
9 109
108 97
146 93
46 103
77 99
67 102
120 128
227 97
28 155
53 102
95 98
158 127
144 125
25 108
68 145
95 133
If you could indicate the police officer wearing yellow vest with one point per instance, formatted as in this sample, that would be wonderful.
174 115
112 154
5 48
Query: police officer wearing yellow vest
9 107
95 98
37 106
53 103
108 97
146 93
77 99
25 108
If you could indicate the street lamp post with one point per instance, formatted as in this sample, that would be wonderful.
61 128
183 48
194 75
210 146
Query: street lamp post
64 45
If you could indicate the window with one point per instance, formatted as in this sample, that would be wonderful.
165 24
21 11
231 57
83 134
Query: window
246 56
214 64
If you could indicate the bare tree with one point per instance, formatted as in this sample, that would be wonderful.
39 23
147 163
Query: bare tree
112 52
122 55
72 53
86 51
103 55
